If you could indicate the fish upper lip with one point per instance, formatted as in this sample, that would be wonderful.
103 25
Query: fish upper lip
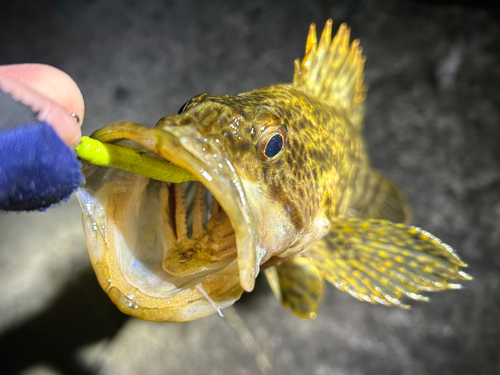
221 183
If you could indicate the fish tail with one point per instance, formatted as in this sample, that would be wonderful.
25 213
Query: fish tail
333 71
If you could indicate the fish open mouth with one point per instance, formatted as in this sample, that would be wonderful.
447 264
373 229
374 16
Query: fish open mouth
168 251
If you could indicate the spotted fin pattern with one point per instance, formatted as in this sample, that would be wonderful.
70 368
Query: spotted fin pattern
378 261
298 284
333 71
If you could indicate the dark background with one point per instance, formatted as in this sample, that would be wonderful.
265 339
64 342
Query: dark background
432 125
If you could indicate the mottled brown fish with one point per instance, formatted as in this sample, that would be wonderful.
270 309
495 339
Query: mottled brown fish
283 184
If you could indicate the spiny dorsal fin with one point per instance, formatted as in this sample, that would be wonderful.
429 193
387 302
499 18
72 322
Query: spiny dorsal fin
333 71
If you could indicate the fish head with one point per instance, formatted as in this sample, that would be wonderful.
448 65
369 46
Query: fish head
254 142
179 243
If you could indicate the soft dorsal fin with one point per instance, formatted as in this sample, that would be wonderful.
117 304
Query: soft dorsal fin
333 71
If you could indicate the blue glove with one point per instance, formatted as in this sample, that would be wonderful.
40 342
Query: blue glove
37 169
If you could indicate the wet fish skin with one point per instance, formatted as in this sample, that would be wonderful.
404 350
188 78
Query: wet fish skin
314 210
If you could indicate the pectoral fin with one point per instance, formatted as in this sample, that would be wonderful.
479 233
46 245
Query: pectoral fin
383 200
380 262
298 284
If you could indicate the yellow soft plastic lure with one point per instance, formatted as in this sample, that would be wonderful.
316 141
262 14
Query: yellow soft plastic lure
180 218
112 156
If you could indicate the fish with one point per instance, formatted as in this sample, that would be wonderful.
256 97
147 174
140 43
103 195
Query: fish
281 183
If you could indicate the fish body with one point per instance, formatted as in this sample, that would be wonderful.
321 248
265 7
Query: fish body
284 184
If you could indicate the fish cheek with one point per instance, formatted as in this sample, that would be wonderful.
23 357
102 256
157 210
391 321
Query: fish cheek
283 188
290 208
295 215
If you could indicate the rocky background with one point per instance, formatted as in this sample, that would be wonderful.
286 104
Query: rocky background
432 125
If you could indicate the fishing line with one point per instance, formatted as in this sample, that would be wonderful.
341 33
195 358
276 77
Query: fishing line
243 332
210 300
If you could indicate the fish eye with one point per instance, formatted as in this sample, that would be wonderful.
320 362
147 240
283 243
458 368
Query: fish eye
272 144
